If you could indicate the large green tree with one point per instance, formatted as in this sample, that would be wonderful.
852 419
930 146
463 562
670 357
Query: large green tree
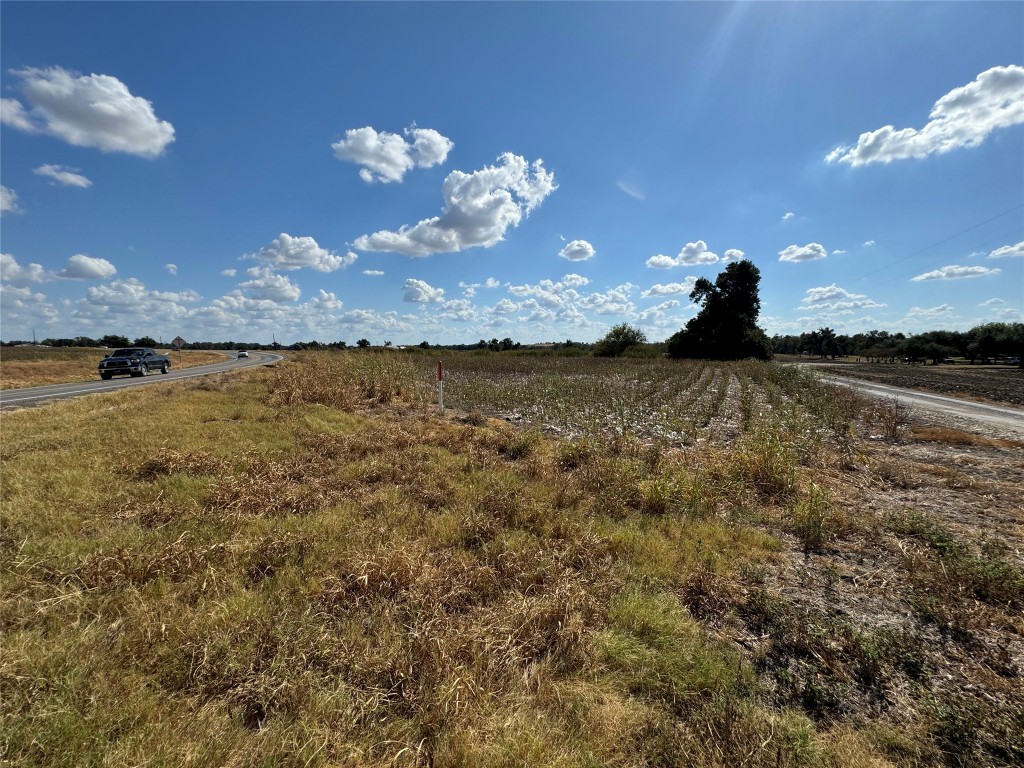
726 326
619 339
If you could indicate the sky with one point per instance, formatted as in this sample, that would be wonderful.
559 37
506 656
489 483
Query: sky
541 171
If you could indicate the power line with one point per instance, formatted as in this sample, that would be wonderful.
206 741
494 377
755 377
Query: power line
941 242
985 244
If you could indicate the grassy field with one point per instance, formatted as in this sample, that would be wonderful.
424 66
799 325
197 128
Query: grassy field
36 366
653 564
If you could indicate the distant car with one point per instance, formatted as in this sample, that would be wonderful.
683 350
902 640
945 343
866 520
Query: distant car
242 353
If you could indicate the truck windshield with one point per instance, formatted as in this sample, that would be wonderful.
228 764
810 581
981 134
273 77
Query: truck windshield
126 352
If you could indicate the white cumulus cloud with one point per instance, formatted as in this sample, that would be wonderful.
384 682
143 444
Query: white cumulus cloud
13 273
457 309
8 201
66 176
670 289
386 157
171 268
692 253
479 208
615 301
420 292
12 113
661 261
373 272
956 272
577 250
574 281
288 253
809 252
470 289
1008 250
696 253
656 313
229 272
87 111
832 297
82 267
788 215
964 117
506 307
271 287
132 294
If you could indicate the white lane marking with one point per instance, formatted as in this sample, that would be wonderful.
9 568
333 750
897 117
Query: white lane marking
97 387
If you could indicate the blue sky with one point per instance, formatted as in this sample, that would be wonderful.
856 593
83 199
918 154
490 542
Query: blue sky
451 172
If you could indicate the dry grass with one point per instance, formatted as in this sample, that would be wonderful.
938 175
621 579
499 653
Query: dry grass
953 436
34 366
310 567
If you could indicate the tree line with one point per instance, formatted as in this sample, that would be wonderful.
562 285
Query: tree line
982 343
725 328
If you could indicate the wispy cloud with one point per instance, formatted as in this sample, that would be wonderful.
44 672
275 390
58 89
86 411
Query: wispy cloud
631 190
1008 250
65 176
956 272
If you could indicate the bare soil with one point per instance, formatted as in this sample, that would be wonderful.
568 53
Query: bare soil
997 384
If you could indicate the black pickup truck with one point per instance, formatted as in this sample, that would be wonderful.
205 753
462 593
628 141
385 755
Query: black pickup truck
135 361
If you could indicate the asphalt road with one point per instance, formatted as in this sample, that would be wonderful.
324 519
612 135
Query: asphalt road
28 396
1001 416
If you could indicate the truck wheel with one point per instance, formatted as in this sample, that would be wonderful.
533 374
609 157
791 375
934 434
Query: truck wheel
144 371
165 368
105 376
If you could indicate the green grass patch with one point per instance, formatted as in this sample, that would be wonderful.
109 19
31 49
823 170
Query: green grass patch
308 566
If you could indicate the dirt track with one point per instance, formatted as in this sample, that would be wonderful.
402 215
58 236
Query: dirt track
1007 421
1002 384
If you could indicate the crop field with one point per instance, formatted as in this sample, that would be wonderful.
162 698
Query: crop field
668 403
36 366
582 562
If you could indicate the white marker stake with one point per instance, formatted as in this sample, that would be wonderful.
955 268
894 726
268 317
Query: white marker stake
440 387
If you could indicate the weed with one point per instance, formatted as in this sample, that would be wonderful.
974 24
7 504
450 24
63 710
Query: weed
811 517
767 462
705 593
986 575
892 416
